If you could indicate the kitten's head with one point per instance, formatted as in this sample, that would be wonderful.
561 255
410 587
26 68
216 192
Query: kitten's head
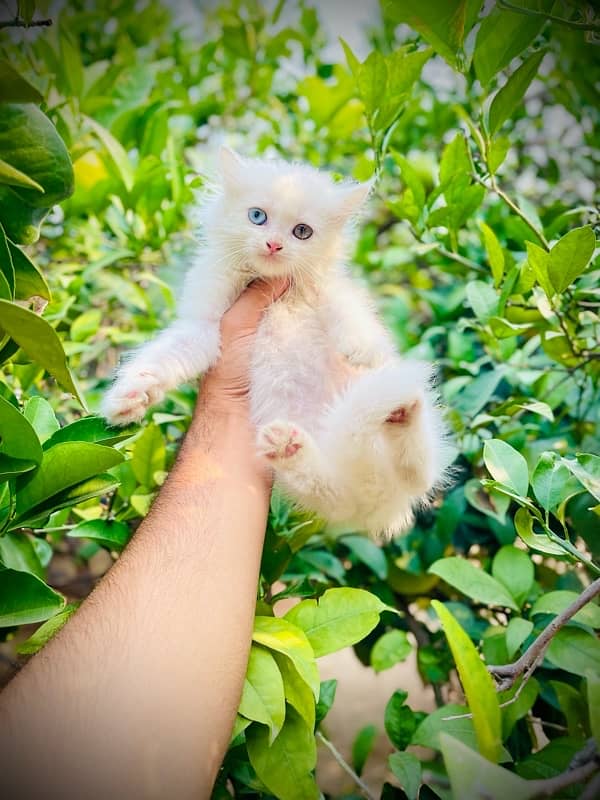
276 218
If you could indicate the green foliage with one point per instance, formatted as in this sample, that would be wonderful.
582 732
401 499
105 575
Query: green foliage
480 247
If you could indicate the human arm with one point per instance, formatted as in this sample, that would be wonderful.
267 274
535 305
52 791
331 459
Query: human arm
136 696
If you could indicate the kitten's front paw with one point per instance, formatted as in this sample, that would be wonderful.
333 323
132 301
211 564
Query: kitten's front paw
130 397
279 440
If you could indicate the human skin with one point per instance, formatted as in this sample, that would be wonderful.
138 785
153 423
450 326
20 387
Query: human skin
136 696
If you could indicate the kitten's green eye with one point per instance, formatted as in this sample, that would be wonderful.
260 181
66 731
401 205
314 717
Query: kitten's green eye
302 231
257 216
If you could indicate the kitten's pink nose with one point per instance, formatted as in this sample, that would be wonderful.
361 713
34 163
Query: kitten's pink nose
274 247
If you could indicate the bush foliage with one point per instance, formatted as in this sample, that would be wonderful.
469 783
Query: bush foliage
479 126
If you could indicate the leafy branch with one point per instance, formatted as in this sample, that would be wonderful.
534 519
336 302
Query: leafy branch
509 673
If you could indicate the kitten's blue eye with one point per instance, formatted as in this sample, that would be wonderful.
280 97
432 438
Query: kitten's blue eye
257 216
302 231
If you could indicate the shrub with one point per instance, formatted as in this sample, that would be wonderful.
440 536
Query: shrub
480 247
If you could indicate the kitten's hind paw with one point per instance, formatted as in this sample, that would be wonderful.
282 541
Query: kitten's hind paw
404 414
280 440
129 398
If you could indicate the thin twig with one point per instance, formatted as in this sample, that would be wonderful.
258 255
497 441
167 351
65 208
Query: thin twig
20 23
526 664
513 206
345 766
530 12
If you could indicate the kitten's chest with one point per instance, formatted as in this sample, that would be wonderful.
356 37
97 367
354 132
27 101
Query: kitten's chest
291 364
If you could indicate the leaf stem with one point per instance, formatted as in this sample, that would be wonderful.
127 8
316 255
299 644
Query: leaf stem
345 766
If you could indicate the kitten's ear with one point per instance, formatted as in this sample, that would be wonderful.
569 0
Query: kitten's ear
351 197
230 164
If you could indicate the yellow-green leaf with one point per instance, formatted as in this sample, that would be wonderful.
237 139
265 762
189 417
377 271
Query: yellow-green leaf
477 683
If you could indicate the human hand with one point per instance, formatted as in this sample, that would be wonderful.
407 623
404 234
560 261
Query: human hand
227 384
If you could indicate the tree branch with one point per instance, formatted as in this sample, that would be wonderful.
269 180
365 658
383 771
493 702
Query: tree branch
17 22
508 673
345 766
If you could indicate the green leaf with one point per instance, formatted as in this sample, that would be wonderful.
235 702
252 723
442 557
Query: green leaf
285 767
455 162
368 552
24 598
494 251
326 698
110 533
63 466
280 635
7 269
41 416
473 776
148 455
478 392
116 153
14 177
390 649
30 143
575 650
472 582
517 702
85 490
29 282
539 261
512 93
14 88
570 256
587 471
297 692
517 631
40 341
17 552
552 482
572 705
478 686
483 300
514 569
536 541
503 35
340 618
556 602
46 631
506 465
407 769
442 23
20 449
372 81
400 721
593 695
443 720
362 747
90 429
263 698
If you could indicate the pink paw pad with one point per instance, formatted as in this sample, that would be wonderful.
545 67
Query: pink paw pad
279 441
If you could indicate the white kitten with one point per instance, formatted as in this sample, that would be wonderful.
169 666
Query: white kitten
362 451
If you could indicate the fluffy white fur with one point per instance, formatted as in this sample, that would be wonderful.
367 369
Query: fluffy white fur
362 451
